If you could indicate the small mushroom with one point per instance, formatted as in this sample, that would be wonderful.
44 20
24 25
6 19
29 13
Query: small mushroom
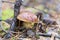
27 16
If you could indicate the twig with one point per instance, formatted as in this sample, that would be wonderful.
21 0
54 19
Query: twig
7 2
48 35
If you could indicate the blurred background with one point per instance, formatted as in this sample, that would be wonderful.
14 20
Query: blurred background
50 8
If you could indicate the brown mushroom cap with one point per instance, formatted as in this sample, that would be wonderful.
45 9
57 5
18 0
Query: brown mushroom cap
27 17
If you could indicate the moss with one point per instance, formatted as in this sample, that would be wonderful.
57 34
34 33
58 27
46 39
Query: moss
8 13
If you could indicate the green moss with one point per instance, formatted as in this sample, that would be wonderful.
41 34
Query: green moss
8 13
5 25
32 9
37 36
41 7
13 38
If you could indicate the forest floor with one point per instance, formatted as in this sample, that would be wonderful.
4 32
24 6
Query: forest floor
54 30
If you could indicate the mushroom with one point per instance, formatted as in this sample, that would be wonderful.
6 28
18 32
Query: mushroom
28 18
